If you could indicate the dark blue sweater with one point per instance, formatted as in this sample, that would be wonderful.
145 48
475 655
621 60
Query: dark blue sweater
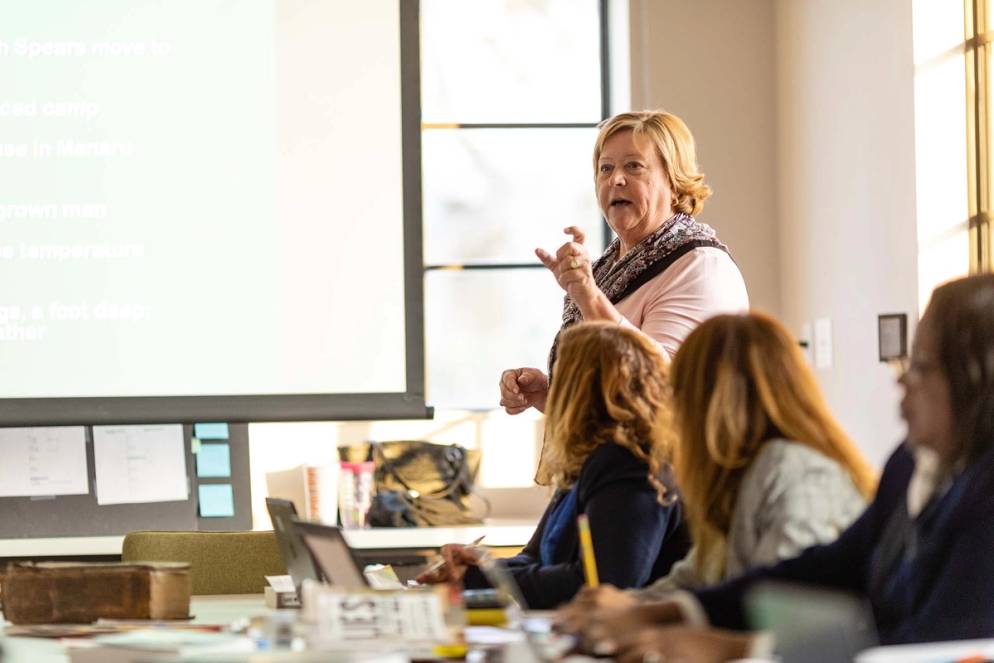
945 591
636 539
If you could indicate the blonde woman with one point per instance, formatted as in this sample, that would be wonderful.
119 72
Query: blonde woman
607 443
665 272
764 469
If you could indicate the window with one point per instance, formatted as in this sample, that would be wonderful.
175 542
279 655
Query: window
941 148
512 92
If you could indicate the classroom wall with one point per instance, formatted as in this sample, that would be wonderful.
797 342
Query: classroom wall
846 181
712 63
804 116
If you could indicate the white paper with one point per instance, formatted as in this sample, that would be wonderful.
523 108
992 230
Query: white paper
43 461
281 583
342 617
139 464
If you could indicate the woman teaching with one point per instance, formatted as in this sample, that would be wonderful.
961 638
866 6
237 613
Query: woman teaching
665 272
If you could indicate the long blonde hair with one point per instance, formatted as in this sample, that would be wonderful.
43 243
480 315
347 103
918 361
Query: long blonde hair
676 149
738 381
610 384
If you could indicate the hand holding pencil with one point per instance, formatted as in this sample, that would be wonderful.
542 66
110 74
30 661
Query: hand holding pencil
455 558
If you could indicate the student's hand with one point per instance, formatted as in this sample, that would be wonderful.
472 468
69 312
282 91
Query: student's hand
681 644
590 605
522 388
599 635
457 559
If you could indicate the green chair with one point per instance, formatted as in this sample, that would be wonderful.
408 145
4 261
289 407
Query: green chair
220 562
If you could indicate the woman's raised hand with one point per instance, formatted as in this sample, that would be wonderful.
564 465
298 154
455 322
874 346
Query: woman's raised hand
522 388
571 266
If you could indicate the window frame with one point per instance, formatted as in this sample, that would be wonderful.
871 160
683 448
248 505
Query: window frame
605 112
978 47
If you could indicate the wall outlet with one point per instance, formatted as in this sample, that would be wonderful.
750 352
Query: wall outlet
823 343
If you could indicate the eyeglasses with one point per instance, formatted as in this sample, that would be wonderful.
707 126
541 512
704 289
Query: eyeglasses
917 367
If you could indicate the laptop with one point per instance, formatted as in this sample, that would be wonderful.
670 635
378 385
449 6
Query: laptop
809 624
335 560
297 559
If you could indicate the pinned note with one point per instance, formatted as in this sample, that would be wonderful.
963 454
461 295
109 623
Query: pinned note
214 431
137 464
43 461
214 461
217 500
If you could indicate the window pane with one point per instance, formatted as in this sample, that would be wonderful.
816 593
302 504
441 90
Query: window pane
479 323
941 178
510 61
495 195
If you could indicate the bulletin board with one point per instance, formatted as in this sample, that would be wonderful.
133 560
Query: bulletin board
81 515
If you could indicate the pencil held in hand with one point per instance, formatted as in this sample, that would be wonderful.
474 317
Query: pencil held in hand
587 551
440 563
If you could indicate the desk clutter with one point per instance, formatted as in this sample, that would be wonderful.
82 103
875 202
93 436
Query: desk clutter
363 626
401 483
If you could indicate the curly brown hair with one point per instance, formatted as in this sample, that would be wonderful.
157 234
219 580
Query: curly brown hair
610 384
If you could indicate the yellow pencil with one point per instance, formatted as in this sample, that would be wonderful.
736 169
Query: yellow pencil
587 551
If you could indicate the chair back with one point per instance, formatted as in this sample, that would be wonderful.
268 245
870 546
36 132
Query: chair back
220 562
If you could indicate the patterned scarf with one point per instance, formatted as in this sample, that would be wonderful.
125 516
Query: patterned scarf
619 277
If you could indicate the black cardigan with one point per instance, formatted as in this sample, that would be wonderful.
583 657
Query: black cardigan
636 539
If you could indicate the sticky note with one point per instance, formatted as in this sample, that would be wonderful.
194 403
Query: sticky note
215 431
217 500
214 461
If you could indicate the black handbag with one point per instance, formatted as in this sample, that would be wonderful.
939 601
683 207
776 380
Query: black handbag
421 484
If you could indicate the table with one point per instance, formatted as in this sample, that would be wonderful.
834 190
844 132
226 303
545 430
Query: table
206 610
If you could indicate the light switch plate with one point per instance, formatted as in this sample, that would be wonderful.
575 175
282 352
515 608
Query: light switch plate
823 343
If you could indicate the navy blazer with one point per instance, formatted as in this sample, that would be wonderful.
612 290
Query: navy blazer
636 539
945 591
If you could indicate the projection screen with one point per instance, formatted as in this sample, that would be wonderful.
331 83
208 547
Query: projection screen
209 210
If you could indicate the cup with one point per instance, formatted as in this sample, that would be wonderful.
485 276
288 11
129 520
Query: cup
355 493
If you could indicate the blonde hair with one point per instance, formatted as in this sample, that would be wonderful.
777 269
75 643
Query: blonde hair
610 384
738 381
675 147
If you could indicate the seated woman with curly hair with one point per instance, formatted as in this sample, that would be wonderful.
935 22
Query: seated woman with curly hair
607 443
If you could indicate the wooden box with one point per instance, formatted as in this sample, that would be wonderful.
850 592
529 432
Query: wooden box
77 593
